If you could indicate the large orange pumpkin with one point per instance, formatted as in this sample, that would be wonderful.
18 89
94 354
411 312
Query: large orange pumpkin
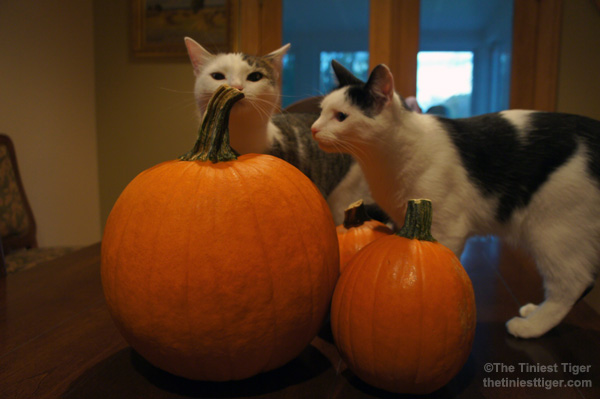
217 268
403 311
357 230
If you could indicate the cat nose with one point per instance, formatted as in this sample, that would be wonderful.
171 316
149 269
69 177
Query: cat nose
239 87
314 130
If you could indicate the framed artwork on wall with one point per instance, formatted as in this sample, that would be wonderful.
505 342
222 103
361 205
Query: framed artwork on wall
159 26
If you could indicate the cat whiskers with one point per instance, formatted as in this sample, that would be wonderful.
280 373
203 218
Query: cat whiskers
374 139
268 104
347 148
263 107
186 102
356 151
176 91
360 148
203 99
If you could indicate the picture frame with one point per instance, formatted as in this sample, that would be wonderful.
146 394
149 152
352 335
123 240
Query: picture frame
158 27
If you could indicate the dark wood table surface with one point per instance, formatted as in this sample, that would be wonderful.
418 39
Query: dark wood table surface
57 340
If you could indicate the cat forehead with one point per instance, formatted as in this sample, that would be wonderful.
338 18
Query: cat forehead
240 61
357 96
336 99
226 60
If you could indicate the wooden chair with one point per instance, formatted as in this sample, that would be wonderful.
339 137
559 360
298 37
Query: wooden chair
310 105
20 249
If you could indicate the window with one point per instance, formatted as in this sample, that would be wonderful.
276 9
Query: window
465 53
320 31
356 61
445 82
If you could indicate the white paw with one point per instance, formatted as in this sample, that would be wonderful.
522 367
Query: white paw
523 328
528 309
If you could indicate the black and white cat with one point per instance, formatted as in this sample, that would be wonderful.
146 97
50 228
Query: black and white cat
255 126
532 178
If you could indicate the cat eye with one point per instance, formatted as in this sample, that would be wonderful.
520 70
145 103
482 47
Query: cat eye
340 116
217 76
255 76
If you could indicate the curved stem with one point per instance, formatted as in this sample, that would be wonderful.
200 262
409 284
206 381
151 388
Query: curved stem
213 137
417 222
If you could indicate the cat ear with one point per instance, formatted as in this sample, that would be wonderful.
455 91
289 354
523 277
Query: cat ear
344 76
277 55
381 85
198 54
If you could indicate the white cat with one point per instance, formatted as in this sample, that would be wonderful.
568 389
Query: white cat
532 178
255 126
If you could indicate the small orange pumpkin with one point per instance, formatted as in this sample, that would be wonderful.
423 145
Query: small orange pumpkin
218 267
403 312
357 231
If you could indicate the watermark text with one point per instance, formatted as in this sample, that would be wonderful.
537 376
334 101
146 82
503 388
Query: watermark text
546 376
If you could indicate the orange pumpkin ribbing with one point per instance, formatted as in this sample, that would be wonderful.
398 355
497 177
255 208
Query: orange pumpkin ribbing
219 271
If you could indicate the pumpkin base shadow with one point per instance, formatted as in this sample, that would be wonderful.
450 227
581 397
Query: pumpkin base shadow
126 374
308 365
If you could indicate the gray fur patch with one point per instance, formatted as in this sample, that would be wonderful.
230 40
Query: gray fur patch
264 65
298 147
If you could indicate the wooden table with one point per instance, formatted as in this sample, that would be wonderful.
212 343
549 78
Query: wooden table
58 340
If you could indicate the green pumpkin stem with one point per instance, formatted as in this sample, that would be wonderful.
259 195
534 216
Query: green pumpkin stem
213 136
417 222
355 215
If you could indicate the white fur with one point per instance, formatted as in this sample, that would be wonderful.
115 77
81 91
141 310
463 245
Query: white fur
407 155
519 119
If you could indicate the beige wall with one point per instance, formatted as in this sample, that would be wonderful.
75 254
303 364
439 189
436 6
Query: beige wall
47 106
145 107
579 68
579 73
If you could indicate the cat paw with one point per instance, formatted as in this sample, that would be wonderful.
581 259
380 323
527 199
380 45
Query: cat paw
523 328
528 309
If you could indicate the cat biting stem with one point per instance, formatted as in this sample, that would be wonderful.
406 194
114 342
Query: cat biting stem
256 126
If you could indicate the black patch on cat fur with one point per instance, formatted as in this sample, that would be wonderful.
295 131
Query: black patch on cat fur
362 98
358 93
557 126
589 131
503 165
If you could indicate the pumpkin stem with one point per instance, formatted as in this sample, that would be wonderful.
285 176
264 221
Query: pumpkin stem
213 136
355 215
417 222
